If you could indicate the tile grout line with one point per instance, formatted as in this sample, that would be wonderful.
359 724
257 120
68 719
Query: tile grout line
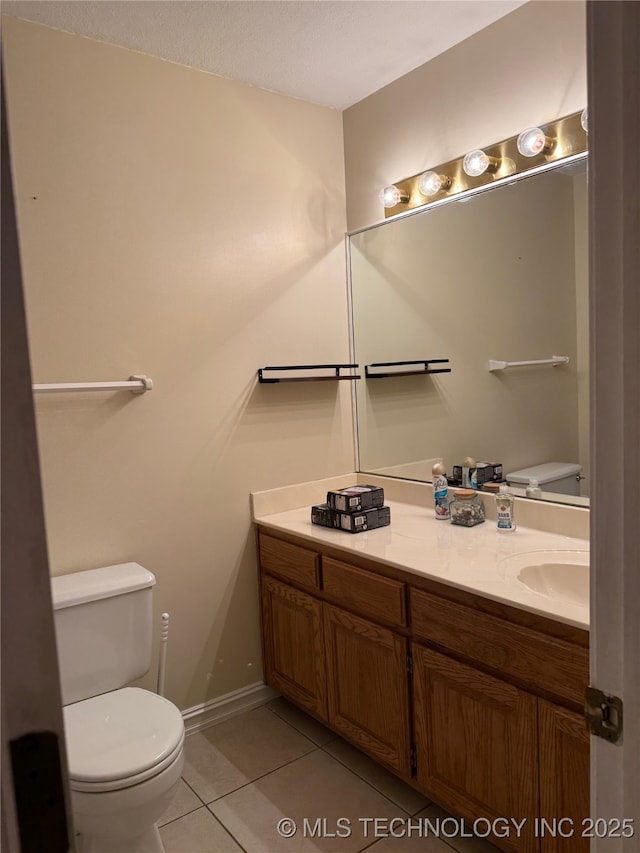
284 720
368 846
202 803
194 791
186 814
226 829
209 812
371 785
257 778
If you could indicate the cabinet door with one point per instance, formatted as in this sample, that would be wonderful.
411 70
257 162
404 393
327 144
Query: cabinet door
293 645
564 778
367 686
476 745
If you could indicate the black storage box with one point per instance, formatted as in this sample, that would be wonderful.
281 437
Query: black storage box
323 514
352 522
355 498
485 472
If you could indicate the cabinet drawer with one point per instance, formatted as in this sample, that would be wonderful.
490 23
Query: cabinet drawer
371 595
536 661
288 561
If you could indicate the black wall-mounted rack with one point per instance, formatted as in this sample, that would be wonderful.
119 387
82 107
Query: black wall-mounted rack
335 376
425 362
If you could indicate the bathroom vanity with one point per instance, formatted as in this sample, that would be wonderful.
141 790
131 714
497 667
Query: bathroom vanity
416 644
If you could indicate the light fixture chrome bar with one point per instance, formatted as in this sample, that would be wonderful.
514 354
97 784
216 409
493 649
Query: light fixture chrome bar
474 191
504 365
561 138
467 194
135 384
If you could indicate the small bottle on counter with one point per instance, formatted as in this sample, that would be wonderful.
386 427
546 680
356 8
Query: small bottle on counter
533 490
441 491
468 472
466 508
505 509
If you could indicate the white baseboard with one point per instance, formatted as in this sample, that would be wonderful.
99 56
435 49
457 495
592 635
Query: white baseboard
227 706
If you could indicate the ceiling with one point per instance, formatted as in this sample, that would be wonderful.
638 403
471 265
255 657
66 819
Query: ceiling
329 52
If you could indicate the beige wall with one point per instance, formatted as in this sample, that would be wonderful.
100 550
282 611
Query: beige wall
527 68
188 227
493 278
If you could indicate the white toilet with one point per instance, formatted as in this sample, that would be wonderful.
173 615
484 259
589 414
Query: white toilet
124 745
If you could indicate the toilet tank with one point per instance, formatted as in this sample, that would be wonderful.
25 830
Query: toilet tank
561 478
103 624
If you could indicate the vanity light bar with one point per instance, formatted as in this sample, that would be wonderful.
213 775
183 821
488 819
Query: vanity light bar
556 141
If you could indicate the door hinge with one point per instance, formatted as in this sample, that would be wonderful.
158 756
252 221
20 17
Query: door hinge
410 663
603 714
413 758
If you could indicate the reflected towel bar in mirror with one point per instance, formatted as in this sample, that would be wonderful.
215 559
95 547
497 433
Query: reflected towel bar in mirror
336 375
371 370
555 360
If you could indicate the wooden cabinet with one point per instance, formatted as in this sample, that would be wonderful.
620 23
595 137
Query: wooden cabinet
367 686
476 743
293 647
564 777
537 662
487 702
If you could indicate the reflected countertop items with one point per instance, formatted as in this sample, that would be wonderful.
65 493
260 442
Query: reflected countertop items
523 568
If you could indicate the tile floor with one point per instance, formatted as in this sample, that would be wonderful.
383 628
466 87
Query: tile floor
244 775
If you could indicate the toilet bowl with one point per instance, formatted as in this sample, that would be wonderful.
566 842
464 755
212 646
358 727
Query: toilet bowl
125 746
125 751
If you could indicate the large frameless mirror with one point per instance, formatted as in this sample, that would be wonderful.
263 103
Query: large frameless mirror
498 276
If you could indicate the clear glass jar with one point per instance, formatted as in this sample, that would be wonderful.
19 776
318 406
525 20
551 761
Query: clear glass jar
466 508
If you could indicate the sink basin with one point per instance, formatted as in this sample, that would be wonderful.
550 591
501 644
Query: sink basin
560 575
558 580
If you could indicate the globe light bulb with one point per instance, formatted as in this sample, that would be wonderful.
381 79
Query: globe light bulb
391 195
476 163
584 119
533 141
431 183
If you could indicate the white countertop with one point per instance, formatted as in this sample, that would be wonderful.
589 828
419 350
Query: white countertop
478 559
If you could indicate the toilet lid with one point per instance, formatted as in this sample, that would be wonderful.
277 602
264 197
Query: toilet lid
120 734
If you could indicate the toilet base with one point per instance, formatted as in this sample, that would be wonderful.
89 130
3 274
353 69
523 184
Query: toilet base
150 842
125 820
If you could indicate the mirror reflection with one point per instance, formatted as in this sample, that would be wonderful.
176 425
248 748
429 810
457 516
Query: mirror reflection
498 276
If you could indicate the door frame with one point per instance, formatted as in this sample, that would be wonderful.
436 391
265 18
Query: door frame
613 69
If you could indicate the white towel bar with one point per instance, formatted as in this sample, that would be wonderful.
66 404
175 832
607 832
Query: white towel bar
135 384
503 365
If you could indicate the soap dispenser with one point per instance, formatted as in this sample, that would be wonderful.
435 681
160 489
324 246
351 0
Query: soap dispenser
533 490
505 509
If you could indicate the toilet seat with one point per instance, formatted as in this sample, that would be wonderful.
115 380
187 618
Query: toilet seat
120 739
